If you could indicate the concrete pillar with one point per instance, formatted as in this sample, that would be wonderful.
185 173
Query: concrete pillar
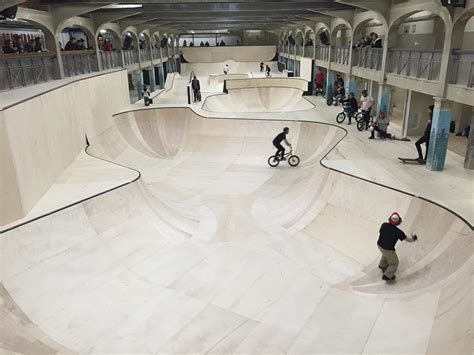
351 85
406 113
162 76
469 160
384 100
329 86
439 135
151 74
139 84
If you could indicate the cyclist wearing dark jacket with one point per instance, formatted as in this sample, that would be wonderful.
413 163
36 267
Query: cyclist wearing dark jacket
351 105
277 143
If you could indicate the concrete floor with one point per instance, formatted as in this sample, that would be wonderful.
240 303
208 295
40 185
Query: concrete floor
213 251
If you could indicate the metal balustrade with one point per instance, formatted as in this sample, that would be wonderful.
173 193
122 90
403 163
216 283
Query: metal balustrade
145 55
299 51
367 57
462 68
340 55
309 52
322 53
421 64
164 52
291 49
79 62
110 60
130 57
155 53
19 70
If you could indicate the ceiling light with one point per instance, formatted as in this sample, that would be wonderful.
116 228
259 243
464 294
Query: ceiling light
103 31
122 6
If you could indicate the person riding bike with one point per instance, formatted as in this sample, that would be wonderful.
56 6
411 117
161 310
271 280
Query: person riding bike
277 143
366 106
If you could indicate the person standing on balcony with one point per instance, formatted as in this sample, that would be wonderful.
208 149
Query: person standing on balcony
425 138
376 40
38 45
71 45
108 45
8 47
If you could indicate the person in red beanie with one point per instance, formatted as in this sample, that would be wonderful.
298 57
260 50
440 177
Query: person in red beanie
389 235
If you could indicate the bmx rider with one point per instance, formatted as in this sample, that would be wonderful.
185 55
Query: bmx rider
277 143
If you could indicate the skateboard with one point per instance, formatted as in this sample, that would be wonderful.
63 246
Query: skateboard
411 161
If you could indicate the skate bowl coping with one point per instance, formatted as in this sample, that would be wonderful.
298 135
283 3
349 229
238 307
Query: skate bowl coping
216 79
290 83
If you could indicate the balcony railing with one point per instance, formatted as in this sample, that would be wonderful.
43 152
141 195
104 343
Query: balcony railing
309 51
79 62
291 49
367 57
18 70
110 60
422 64
462 68
322 53
155 53
299 51
130 57
340 55
164 52
145 55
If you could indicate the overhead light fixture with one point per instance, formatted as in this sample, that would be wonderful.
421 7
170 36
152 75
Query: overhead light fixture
103 31
123 6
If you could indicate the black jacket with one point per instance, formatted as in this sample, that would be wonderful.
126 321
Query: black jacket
195 85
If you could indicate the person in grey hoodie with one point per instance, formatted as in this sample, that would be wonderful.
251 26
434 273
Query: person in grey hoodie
380 125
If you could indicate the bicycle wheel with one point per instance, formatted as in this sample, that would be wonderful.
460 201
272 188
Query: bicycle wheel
361 125
293 160
340 117
358 116
273 161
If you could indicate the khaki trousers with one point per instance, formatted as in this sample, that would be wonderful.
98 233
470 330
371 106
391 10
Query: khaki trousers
389 262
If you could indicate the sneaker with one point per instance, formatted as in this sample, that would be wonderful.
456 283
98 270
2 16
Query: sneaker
349 123
388 279
382 268
421 161
371 137
283 159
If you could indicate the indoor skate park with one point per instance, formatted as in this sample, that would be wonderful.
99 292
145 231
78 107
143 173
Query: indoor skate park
145 208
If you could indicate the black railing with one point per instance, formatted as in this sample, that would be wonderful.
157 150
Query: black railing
79 62
462 68
367 57
421 64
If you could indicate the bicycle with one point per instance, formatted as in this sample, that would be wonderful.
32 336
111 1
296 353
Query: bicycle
293 160
345 113
361 124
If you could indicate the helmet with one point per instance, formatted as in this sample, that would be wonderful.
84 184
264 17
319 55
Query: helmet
351 94
395 219
365 92
286 129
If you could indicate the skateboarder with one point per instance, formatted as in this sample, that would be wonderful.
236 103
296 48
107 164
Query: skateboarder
226 69
425 138
267 71
262 66
146 96
277 143
389 235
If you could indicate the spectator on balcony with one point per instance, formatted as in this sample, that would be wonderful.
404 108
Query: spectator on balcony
30 46
201 44
80 44
185 44
71 45
376 40
107 45
206 44
191 44
38 44
9 48
222 43
19 44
